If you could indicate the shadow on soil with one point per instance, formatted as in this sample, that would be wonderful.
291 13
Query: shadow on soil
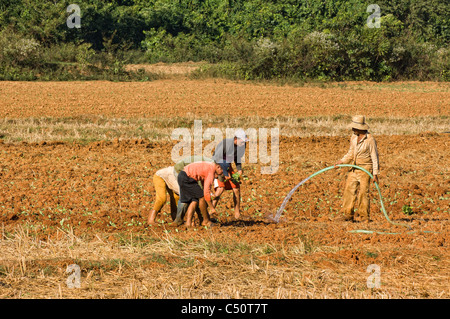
244 222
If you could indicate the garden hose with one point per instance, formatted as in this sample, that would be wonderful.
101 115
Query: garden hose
277 216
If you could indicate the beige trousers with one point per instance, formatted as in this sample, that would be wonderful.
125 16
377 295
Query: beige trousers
161 197
357 178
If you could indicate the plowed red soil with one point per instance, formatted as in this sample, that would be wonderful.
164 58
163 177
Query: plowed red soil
204 97
107 186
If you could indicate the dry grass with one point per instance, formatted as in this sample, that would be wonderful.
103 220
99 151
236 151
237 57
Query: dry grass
167 69
98 128
165 266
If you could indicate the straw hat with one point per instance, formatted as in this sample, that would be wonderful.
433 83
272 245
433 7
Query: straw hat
359 122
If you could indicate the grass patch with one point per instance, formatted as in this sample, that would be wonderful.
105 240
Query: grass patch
88 129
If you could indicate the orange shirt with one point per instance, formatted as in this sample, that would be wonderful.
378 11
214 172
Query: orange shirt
202 171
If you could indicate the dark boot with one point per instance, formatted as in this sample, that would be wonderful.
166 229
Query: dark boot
181 211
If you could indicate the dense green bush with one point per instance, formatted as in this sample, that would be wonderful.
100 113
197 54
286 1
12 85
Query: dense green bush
242 39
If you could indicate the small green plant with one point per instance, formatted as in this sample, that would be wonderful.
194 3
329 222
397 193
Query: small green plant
407 210
236 178
371 254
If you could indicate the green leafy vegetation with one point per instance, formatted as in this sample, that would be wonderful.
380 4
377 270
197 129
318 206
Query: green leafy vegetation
407 210
254 40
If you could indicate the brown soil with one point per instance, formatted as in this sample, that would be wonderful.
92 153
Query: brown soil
106 187
201 98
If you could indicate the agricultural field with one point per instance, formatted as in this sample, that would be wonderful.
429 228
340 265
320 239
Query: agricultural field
78 160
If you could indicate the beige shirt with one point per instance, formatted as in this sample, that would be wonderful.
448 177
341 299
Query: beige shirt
363 153
167 174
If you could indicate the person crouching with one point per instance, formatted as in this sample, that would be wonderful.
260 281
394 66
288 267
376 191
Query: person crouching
192 194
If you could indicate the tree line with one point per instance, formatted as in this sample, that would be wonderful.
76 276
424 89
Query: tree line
240 39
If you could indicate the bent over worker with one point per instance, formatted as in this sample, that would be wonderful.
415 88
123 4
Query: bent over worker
226 152
178 167
191 193
164 180
362 152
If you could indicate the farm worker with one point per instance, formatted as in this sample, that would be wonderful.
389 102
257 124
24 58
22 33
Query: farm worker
192 194
164 180
220 184
363 152
178 167
226 152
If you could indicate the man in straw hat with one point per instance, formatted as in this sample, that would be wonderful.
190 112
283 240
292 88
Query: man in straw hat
363 152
